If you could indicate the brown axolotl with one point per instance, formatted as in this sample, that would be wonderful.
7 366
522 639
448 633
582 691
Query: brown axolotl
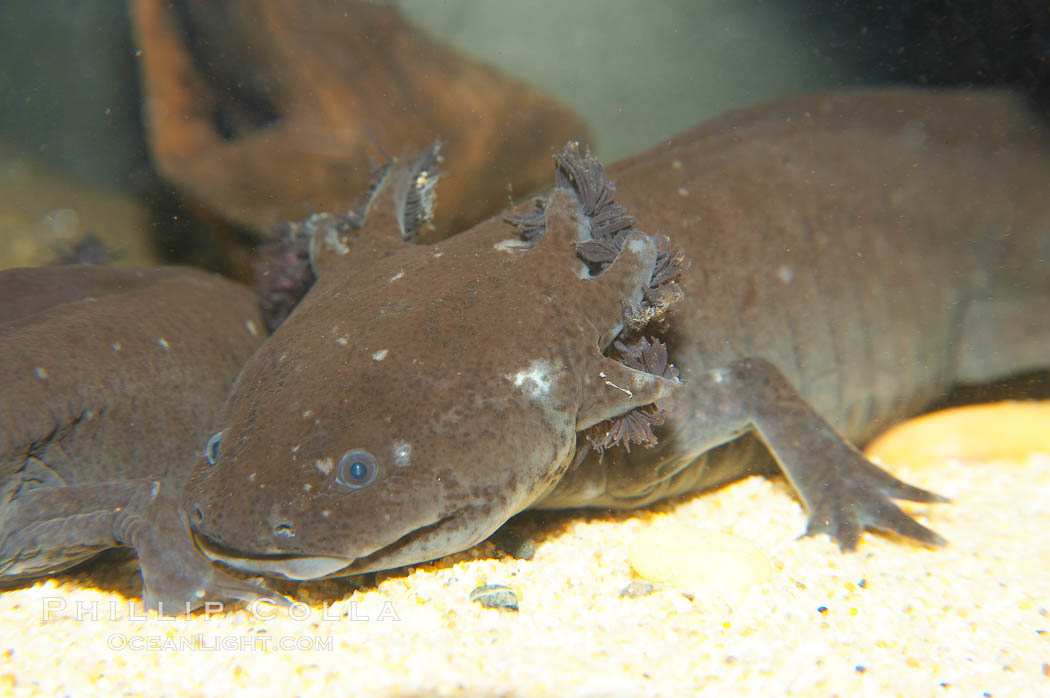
850 253
110 382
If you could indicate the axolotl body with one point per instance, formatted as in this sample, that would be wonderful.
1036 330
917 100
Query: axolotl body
110 383
833 262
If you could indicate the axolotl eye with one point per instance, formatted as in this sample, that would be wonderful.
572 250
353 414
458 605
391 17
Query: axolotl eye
356 469
211 449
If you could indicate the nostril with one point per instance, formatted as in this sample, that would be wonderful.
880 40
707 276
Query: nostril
284 530
198 513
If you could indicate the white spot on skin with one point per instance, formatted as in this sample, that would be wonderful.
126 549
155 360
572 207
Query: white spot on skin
250 326
785 274
402 454
682 191
638 246
512 245
163 343
154 489
398 275
536 380
325 513
307 414
342 341
438 254
40 373
307 487
251 478
380 355
324 465
676 164
116 346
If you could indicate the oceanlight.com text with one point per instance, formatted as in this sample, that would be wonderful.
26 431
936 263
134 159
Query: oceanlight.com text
218 643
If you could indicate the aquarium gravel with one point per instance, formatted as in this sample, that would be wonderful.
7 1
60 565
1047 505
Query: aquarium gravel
891 619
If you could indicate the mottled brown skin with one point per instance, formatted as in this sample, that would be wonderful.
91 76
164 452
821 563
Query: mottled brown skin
111 380
848 251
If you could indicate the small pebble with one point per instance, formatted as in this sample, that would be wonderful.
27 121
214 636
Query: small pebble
636 589
1009 431
514 543
495 596
704 560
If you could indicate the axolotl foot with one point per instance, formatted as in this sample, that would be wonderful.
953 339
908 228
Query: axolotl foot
858 496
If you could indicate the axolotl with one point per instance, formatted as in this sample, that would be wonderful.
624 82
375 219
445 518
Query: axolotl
810 270
110 383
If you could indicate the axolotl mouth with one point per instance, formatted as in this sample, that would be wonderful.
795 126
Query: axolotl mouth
408 549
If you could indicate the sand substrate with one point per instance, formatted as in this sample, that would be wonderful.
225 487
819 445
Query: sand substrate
891 619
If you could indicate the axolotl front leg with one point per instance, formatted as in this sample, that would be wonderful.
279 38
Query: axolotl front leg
618 280
47 529
707 446
843 491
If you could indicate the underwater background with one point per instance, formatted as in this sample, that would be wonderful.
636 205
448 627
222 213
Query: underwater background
75 149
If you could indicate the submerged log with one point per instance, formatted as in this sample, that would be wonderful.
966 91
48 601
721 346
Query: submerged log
267 111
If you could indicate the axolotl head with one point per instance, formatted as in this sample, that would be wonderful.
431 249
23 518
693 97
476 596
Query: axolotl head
419 396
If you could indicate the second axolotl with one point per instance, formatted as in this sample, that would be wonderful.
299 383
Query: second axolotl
110 383
831 262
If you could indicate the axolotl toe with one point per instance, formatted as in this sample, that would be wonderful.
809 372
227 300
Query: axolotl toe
846 260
